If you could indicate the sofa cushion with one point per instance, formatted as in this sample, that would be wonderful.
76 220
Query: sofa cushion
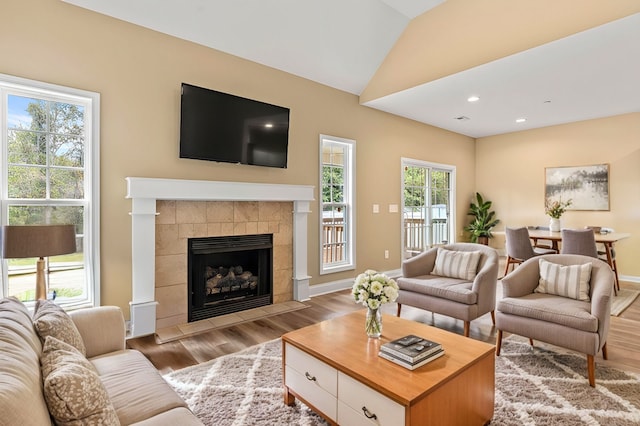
549 308
50 319
456 264
564 280
73 391
135 387
21 399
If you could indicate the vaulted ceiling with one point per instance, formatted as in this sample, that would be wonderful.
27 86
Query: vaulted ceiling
545 61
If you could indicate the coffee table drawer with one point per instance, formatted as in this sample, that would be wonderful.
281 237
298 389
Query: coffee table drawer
312 379
356 401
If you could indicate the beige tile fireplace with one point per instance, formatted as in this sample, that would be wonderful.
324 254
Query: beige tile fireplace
166 212
177 221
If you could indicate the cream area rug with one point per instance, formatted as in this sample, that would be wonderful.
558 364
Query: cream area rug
622 300
533 387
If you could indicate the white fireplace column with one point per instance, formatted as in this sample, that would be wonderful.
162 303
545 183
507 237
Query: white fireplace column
145 191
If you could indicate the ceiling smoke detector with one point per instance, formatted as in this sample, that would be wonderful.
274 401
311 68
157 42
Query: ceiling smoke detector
462 118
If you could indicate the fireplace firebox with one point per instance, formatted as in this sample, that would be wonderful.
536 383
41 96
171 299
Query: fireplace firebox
229 274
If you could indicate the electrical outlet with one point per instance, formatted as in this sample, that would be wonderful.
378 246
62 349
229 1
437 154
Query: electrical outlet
376 208
386 254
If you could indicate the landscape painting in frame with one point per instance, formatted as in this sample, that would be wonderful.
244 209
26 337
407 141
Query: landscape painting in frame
586 186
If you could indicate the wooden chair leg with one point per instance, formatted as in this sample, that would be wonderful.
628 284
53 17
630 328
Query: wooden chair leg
493 317
498 342
506 268
399 308
466 328
530 341
591 368
604 351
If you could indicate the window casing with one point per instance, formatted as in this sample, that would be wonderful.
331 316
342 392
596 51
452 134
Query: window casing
49 163
337 183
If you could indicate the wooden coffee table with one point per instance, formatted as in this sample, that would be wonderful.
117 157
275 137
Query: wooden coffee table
335 369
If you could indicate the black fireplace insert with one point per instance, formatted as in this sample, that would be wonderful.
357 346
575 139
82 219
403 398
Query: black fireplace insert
229 274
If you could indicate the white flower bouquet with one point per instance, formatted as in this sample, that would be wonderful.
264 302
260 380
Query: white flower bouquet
373 289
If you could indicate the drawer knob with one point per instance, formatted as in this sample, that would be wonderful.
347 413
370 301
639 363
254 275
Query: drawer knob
309 377
368 414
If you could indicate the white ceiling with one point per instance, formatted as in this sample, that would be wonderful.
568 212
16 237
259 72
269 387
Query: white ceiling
341 44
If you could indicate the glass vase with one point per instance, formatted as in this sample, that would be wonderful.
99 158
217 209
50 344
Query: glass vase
373 323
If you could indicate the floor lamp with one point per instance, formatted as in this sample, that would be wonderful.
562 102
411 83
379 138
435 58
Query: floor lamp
22 241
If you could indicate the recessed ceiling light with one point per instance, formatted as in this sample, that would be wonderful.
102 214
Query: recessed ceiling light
473 99
268 125
520 120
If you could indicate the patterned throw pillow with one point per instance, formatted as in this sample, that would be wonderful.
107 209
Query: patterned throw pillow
456 264
564 280
73 391
50 319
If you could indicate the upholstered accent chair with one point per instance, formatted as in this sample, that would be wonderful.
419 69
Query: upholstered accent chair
564 300
457 280
519 247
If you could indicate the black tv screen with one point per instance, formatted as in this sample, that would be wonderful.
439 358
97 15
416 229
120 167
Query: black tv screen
221 127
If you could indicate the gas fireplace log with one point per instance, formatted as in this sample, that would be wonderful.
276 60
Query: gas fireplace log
223 280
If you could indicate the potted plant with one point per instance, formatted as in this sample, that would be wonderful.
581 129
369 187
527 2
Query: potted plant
555 210
483 220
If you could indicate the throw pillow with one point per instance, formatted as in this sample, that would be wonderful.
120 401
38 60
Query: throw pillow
564 280
50 319
456 264
73 390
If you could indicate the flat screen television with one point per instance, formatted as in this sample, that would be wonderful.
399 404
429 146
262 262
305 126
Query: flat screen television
218 126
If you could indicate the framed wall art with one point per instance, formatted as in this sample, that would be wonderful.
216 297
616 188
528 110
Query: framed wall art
586 186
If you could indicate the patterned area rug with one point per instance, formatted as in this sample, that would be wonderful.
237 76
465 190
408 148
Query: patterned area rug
533 387
623 300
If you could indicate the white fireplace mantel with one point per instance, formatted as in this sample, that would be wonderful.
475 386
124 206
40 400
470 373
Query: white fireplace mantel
145 191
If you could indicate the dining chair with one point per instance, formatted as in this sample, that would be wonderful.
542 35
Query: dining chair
579 241
519 247
602 254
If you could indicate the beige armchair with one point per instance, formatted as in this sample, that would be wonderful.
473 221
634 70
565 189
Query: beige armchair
579 325
462 298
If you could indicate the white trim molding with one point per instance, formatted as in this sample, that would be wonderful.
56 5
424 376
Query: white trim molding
144 192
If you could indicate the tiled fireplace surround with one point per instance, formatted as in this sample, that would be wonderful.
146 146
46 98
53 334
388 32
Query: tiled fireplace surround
166 212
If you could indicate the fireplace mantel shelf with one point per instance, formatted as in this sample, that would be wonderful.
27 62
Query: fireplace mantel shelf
145 191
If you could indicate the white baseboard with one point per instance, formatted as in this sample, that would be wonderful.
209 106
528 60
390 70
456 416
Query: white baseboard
333 286
629 278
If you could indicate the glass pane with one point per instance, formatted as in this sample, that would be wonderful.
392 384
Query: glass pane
67 118
25 147
26 113
33 215
67 151
27 182
67 184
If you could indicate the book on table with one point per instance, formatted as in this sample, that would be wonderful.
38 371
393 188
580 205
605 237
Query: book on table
412 365
411 348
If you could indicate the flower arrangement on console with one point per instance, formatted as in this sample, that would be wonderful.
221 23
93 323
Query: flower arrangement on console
556 209
372 289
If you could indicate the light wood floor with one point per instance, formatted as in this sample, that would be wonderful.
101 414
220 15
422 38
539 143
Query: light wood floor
623 343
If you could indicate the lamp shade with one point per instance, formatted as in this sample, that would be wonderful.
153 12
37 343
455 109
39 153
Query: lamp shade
20 241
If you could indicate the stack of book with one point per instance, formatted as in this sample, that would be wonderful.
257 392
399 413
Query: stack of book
411 351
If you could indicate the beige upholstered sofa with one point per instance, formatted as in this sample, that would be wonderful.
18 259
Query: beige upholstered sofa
457 280
45 378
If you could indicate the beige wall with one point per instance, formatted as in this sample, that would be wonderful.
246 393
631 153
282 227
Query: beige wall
138 74
510 172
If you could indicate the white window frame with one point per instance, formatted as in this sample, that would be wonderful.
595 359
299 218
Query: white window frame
349 199
91 203
452 195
